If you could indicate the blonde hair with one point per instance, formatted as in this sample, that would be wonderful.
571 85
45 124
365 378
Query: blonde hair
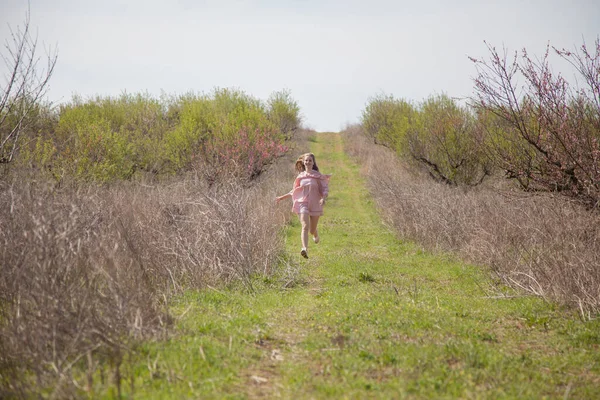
299 166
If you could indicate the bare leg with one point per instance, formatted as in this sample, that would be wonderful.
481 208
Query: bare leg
314 220
305 221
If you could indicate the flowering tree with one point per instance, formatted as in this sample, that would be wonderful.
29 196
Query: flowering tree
543 133
245 156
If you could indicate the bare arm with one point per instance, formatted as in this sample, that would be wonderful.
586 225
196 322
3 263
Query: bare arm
285 196
289 194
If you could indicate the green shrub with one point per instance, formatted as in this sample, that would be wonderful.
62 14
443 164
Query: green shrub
447 142
388 121
284 112
110 138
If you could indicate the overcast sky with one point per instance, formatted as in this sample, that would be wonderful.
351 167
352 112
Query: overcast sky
333 55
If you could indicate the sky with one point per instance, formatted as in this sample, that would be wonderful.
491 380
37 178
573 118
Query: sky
332 55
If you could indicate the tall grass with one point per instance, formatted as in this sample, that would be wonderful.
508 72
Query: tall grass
541 244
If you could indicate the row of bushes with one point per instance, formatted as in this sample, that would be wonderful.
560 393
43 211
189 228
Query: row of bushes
438 133
105 138
546 135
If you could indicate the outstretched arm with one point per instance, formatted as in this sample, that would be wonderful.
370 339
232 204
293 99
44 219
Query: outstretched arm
289 194
285 196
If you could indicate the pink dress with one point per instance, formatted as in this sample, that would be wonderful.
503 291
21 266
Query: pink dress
309 188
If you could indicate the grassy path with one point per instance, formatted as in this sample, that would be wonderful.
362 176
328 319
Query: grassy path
369 317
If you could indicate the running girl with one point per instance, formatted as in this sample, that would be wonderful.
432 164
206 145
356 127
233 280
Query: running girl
309 194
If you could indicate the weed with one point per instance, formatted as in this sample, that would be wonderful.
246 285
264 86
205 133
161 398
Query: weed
365 277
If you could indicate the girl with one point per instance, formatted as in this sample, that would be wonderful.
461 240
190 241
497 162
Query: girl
309 194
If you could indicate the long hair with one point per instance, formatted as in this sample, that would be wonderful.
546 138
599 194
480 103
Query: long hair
300 163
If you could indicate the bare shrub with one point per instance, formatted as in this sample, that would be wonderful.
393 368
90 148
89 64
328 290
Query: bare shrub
213 234
544 245
68 286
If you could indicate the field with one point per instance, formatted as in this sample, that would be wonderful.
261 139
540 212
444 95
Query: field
143 253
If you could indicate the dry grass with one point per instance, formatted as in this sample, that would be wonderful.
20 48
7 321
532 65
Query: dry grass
88 271
543 244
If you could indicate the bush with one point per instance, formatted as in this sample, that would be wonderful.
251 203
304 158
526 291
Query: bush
73 286
388 121
244 156
284 112
229 129
102 139
447 143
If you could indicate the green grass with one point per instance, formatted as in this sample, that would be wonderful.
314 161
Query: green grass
367 316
